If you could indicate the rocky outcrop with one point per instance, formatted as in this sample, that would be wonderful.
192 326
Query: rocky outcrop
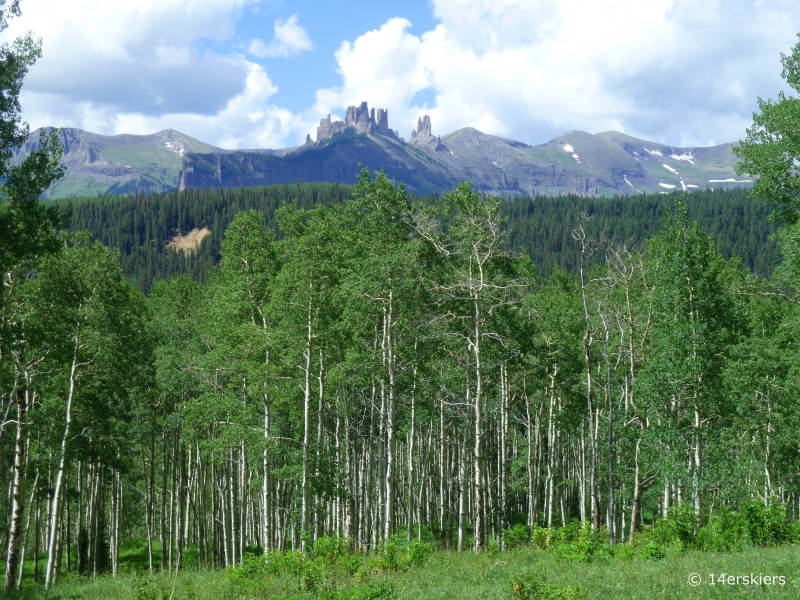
359 118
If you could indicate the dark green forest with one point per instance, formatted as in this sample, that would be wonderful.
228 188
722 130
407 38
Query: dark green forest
139 226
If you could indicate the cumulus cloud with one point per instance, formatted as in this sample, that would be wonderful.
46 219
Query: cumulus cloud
290 40
673 71
668 70
134 66
248 120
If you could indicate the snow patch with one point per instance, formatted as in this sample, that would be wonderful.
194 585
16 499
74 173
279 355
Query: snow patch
625 177
670 169
669 186
689 185
730 181
654 152
687 157
173 148
636 153
451 152
683 185
495 164
568 148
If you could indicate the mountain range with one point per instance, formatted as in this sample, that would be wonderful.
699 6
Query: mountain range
603 164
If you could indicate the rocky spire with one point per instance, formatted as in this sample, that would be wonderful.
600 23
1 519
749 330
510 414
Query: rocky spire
361 118
422 134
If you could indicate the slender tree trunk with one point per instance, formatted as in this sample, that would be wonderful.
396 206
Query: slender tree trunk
21 566
479 487
412 434
50 573
305 507
390 432
17 493
266 508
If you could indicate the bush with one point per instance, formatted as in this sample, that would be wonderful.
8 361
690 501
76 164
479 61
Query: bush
312 575
418 553
653 551
516 536
401 555
725 532
680 526
766 526
151 588
374 590
536 587
332 548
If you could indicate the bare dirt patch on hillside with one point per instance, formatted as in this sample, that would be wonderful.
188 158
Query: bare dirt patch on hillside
190 241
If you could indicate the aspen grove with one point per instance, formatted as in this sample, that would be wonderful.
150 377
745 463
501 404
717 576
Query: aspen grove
383 370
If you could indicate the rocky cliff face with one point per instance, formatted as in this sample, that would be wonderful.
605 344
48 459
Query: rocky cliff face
577 162
339 161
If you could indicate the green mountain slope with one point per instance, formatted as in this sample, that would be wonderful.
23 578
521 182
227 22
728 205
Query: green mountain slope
601 165
120 164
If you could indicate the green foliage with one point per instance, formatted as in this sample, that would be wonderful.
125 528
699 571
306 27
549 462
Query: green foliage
536 587
516 536
679 527
151 588
767 526
771 149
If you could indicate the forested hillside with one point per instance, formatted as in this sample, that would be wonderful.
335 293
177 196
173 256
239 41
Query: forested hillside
140 226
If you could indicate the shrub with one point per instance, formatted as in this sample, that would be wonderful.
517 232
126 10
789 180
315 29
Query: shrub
653 551
151 588
680 526
766 526
418 553
536 587
374 590
332 548
312 576
724 532
516 536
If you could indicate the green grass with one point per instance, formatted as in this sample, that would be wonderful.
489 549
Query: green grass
537 575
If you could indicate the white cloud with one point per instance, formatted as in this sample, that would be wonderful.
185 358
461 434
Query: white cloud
672 71
669 70
102 59
290 40
258 48
248 120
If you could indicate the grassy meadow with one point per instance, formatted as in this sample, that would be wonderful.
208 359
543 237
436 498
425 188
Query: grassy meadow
414 572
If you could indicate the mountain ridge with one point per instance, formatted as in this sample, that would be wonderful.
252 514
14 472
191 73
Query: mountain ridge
595 165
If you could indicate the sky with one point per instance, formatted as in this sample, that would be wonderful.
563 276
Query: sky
262 73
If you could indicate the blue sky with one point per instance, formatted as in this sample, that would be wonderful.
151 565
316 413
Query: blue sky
261 73
328 23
